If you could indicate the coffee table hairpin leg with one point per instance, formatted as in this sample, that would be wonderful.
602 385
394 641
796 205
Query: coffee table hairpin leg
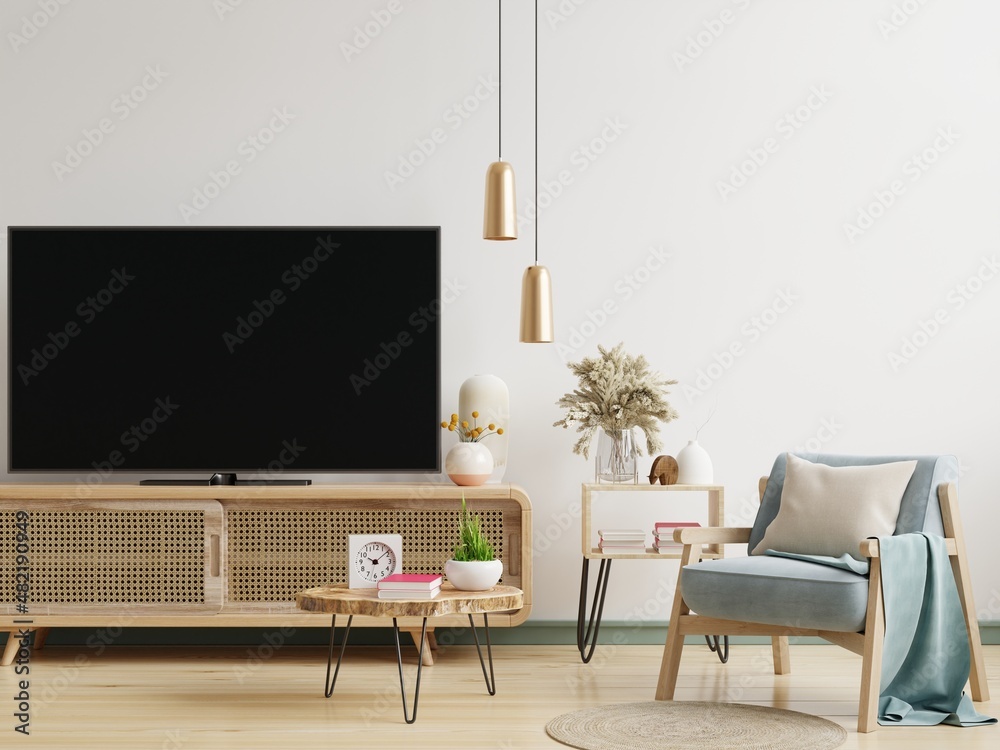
491 683
420 664
331 684
329 659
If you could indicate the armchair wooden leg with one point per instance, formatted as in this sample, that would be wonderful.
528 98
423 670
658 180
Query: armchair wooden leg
779 653
871 670
948 498
671 662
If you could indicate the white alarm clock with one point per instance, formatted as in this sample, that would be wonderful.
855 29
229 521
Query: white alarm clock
372 557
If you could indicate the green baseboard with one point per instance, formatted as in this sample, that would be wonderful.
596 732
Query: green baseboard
532 633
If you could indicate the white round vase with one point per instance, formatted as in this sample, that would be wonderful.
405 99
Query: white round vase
473 575
469 464
488 395
694 466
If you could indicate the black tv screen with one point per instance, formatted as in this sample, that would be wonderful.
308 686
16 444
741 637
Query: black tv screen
271 349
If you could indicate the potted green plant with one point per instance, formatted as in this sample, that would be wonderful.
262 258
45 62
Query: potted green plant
473 566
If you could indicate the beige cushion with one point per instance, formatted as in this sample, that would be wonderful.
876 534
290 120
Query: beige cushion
829 510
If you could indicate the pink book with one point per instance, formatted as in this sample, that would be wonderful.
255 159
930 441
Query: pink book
410 582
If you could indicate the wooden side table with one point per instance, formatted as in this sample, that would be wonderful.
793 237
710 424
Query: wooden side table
340 600
587 629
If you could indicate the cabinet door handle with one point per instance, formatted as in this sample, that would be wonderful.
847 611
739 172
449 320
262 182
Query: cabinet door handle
213 556
514 557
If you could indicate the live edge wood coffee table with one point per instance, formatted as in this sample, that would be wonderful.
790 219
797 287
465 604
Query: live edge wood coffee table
340 600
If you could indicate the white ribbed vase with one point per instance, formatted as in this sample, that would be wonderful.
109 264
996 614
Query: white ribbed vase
488 395
694 466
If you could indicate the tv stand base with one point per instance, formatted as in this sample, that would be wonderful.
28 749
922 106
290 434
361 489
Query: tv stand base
225 480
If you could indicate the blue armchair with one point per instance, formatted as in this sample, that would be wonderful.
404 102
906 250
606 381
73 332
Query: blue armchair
781 597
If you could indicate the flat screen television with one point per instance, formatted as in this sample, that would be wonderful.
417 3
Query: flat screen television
253 349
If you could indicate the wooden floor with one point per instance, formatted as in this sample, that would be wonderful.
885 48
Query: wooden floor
186 699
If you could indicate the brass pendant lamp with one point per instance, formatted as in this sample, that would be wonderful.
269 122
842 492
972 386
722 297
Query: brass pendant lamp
536 285
500 208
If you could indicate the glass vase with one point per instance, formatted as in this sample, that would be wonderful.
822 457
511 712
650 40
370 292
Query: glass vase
617 453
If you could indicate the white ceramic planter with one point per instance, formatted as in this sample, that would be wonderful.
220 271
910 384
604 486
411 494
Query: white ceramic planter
469 464
474 575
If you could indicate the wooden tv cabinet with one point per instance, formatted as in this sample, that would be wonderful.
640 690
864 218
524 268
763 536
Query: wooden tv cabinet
214 556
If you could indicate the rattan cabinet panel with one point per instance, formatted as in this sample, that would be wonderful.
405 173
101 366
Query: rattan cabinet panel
113 556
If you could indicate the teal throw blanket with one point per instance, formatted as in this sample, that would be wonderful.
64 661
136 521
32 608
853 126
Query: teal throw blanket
925 658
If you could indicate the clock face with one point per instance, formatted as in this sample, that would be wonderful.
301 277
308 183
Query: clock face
372 557
374 561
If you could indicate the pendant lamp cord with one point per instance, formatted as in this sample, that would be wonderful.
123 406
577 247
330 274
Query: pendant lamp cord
536 133
500 79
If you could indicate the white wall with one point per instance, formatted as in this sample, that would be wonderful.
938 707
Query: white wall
887 94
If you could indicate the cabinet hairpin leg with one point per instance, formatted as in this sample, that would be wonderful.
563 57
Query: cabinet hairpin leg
586 642
329 658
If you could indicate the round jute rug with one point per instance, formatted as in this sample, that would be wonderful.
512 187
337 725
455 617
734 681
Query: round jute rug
663 725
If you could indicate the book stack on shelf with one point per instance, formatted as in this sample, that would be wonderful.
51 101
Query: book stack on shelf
663 536
622 540
409 586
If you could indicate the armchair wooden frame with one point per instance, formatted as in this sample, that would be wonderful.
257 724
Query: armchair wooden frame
867 644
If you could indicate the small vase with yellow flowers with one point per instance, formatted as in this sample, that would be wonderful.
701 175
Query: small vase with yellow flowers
469 463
